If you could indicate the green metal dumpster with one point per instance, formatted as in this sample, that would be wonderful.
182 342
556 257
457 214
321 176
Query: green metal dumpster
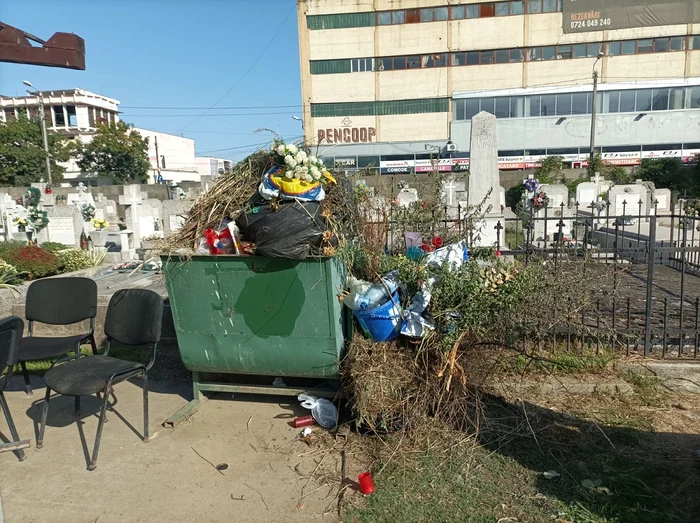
257 316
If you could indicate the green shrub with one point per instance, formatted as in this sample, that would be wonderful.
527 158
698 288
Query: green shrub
10 245
33 260
54 246
9 275
74 260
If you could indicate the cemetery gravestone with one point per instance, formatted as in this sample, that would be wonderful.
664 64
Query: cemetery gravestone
624 200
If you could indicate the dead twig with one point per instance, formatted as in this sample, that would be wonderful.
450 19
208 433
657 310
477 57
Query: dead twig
259 494
247 425
205 459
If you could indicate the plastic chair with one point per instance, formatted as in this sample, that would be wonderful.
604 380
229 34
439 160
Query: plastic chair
57 301
134 318
11 330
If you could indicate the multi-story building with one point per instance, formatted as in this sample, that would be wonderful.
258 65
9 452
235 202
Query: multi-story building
390 83
75 113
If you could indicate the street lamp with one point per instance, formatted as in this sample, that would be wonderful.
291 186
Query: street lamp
301 121
601 54
44 135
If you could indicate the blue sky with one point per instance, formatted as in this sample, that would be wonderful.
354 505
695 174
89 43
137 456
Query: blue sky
179 54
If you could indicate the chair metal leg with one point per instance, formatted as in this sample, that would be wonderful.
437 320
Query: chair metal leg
93 344
146 435
13 430
77 405
44 415
27 385
98 437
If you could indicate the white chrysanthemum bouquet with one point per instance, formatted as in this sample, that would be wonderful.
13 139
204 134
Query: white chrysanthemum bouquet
298 163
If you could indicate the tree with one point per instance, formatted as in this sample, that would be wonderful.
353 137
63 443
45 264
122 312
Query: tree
550 170
116 151
616 174
670 173
22 156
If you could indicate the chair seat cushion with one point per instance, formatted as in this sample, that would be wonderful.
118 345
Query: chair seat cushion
38 348
87 375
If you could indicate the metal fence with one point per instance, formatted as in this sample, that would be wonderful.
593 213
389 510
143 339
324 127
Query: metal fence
656 256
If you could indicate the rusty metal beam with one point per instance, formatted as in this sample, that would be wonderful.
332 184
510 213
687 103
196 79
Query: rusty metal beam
64 50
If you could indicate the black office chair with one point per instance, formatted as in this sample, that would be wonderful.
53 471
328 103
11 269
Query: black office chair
134 318
57 301
11 330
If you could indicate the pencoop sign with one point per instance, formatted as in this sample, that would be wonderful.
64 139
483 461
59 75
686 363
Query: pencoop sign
582 16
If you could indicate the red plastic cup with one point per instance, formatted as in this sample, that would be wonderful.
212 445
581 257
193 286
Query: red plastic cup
366 483
437 242
303 421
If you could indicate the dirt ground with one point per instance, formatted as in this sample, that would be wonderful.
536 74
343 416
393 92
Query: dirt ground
171 478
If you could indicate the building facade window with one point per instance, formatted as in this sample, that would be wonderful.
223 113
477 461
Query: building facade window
503 56
59 118
380 107
565 104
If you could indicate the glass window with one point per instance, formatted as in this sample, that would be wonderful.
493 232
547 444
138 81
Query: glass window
473 11
563 104
440 60
385 64
627 101
549 52
579 103
458 59
629 47
532 103
661 45
502 9
460 109
72 116
534 54
678 43
426 15
367 161
487 57
676 98
659 101
645 46
613 102
472 108
549 6
486 10
399 62
412 16
580 51
59 117
384 18
517 106
458 12
502 56
534 6
694 97
413 62
427 61
399 17
563 52
440 14
517 7
502 107
488 104
643 100
594 49
694 42
516 55
613 48
473 58
547 102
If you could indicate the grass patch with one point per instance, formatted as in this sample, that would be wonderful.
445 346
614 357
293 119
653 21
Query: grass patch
648 389
628 475
559 362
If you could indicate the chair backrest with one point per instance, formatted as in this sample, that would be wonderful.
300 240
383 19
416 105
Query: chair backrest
61 301
134 317
11 330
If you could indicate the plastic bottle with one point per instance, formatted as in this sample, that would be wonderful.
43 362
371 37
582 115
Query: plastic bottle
381 291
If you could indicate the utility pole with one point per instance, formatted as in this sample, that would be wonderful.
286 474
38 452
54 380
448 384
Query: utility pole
594 107
44 134
155 138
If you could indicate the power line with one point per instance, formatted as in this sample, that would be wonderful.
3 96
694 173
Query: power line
132 115
240 107
249 69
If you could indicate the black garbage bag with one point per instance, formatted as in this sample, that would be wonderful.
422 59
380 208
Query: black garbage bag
294 230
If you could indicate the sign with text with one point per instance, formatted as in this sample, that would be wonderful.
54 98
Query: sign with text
396 166
440 165
599 15
347 135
